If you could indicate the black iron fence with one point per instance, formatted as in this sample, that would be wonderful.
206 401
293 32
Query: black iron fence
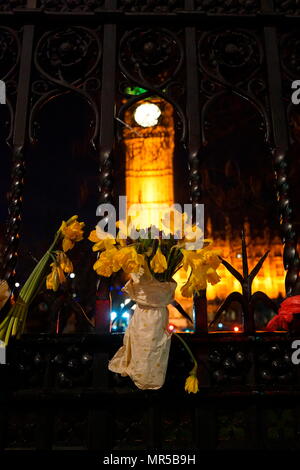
56 391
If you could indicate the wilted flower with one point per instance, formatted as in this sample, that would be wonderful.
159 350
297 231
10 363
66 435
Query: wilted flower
72 232
64 262
55 278
191 383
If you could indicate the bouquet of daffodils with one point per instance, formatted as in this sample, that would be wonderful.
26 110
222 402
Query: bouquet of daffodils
152 256
67 235
162 254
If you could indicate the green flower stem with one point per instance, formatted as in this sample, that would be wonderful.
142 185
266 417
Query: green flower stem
187 348
30 285
3 323
14 322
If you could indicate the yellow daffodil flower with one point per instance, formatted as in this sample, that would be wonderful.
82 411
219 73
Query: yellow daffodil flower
199 280
72 233
158 263
211 257
103 267
55 278
212 276
130 260
187 290
196 283
107 263
64 262
191 383
189 258
104 242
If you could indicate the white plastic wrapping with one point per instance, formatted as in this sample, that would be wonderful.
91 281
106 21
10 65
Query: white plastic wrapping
145 351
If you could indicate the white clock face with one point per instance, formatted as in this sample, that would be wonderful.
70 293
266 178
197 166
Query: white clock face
147 114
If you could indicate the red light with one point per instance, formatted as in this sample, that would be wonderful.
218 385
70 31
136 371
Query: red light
236 329
171 327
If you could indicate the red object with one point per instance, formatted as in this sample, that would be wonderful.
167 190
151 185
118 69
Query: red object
287 308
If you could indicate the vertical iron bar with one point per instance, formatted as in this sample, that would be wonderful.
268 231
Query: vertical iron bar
107 128
281 144
17 181
100 419
194 144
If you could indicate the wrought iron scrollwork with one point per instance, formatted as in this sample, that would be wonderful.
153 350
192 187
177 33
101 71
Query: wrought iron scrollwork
11 4
289 7
162 6
230 56
290 54
70 5
9 51
240 7
152 58
231 60
9 58
66 61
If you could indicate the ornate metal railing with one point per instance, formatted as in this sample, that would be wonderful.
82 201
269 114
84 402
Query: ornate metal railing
57 393
59 386
258 63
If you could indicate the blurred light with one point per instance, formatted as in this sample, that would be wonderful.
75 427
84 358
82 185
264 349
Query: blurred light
126 301
72 275
43 307
133 307
113 315
239 255
147 114
17 284
134 90
236 329
114 327
171 327
220 325
122 305
125 315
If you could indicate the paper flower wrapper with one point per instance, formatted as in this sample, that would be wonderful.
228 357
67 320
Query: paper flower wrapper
146 345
